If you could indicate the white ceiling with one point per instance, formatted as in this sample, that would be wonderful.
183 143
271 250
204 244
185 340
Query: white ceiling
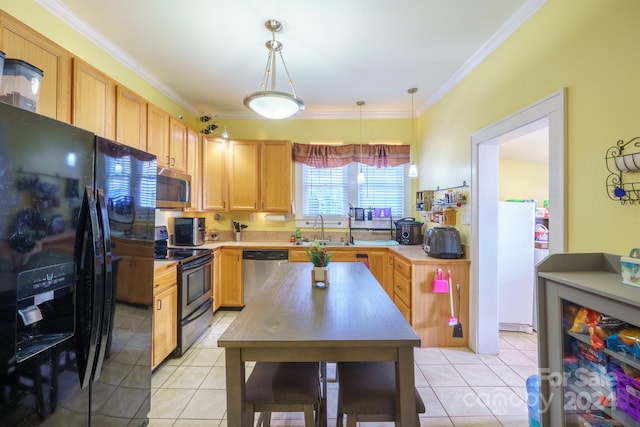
208 54
530 143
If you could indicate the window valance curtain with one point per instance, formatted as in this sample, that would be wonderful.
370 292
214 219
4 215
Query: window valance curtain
333 156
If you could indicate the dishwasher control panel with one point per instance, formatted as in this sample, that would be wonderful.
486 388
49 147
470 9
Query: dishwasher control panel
265 254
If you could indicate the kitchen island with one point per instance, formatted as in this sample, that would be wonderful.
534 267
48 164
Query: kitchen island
352 319
405 272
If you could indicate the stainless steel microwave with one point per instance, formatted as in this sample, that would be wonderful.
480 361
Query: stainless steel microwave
173 190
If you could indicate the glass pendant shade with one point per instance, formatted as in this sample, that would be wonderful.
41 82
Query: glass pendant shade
361 178
413 170
273 104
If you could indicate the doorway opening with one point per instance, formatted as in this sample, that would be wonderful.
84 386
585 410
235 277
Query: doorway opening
483 295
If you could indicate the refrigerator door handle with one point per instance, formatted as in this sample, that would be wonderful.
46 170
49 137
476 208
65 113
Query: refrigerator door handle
89 288
107 297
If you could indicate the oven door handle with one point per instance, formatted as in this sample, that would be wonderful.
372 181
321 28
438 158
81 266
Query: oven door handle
195 314
197 263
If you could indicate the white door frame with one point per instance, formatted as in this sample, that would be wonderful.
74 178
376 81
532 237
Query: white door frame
483 292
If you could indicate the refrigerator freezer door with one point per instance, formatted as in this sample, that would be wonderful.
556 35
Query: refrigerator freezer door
44 167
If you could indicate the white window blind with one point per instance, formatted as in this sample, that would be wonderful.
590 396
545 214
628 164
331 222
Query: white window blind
383 188
329 191
324 191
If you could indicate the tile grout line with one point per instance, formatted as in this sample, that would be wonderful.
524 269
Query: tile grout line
509 340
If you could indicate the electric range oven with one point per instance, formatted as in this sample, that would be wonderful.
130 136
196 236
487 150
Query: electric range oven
195 294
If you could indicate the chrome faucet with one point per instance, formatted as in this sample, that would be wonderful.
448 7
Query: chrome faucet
315 225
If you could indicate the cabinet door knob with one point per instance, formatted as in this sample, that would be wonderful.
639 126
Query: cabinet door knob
159 304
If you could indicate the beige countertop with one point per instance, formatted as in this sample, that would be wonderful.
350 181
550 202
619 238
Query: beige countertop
414 253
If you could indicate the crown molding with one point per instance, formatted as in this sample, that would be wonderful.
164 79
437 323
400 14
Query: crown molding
62 12
505 31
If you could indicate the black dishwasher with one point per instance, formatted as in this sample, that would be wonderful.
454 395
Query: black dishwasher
257 266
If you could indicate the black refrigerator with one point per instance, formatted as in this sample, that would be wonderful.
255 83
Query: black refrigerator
77 217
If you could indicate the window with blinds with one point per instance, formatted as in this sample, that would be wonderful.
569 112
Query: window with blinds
329 191
383 188
324 191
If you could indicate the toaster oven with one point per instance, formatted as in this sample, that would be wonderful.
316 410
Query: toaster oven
443 242
189 231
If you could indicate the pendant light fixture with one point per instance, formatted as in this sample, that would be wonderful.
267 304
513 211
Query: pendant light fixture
271 103
413 170
361 178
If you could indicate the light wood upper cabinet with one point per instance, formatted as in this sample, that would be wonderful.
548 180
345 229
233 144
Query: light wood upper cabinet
193 168
21 42
214 174
275 176
166 138
177 145
131 119
244 169
93 100
259 176
158 134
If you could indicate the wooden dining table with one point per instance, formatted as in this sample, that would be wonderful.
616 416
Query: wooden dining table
351 319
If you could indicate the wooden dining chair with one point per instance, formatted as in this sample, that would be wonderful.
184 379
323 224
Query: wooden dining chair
284 387
367 392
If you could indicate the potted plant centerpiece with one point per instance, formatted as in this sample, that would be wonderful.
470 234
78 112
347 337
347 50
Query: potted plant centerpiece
320 258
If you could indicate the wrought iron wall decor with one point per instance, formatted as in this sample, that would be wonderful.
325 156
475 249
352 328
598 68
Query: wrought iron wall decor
623 182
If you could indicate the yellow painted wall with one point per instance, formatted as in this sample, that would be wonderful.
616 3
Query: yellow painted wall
592 48
523 180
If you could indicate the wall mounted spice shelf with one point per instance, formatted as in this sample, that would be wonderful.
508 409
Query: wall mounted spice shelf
623 182
426 201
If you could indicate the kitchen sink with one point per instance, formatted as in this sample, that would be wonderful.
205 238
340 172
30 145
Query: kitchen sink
327 243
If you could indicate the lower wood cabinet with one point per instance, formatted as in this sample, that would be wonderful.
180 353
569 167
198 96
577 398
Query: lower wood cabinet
230 283
402 286
378 265
409 283
377 260
217 287
165 314
430 311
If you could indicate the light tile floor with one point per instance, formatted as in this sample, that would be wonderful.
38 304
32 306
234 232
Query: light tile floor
459 387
